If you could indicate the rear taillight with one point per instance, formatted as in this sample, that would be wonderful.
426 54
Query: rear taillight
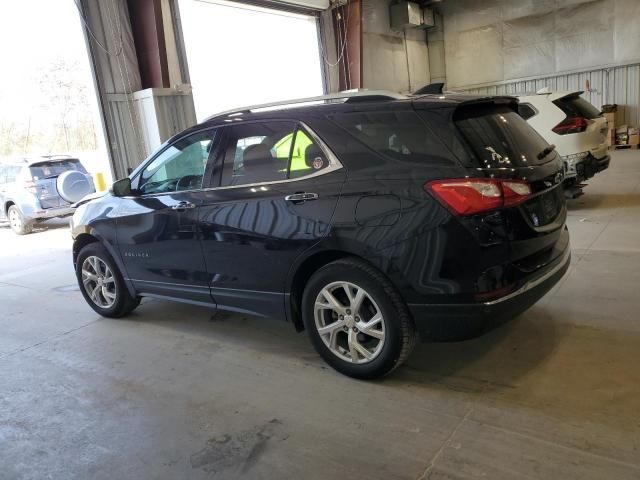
30 186
474 195
571 125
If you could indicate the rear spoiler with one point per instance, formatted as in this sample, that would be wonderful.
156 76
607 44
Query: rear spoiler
511 102
431 89
484 105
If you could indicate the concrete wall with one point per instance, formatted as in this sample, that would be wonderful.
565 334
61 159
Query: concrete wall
391 62
494 41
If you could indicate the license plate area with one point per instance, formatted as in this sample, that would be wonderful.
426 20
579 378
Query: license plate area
544 209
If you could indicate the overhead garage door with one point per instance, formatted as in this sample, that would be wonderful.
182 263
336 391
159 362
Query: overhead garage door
241 54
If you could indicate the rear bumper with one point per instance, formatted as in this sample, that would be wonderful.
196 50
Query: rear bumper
52 212
585 168
591 165
446 322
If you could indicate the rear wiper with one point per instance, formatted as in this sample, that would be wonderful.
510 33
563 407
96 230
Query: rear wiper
51 176
546 151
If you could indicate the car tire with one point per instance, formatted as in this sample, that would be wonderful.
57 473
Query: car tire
18 223
377 351
102 284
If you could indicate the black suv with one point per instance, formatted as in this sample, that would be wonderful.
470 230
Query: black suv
367 219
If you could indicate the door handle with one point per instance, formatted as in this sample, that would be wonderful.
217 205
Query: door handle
183 206
301 197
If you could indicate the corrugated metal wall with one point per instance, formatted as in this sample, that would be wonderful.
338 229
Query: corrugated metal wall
133 130
620 85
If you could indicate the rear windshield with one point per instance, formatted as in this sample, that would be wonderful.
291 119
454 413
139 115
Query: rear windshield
576 106
499 137
53 169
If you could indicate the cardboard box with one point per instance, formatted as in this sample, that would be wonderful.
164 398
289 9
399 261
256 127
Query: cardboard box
611 136
622 135
612 119
634 136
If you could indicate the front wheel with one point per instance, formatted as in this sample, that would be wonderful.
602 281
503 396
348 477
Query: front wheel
101 283
356 319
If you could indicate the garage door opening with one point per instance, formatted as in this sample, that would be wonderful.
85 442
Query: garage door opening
48 104
243 55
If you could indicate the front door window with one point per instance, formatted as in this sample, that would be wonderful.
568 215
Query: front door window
179 167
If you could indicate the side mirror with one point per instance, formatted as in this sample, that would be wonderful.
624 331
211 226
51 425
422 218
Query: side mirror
122 188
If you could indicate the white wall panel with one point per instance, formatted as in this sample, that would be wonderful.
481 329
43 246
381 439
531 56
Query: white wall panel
503 40
391 61
626 38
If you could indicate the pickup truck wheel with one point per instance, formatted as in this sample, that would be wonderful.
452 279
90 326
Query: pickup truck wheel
101 282
356 319
18 223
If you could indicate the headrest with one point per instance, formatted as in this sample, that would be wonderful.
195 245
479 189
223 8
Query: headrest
314 157
258 152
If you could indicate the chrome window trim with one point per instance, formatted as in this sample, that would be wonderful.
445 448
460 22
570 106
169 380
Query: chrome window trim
334 165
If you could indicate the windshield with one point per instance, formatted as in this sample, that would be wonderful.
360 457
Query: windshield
53 169
500 137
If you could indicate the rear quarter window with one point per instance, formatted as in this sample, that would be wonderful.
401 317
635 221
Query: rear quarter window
397 135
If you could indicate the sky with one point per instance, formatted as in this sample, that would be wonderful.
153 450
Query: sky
34 33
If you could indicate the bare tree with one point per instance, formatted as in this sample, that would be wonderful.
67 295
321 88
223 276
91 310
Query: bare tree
63 93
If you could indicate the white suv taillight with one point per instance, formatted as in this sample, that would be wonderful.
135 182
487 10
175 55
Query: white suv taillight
571 125
469 196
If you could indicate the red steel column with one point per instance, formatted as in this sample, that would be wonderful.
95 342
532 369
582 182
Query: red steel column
148 35
347 27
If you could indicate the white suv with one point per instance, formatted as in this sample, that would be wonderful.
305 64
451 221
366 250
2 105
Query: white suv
575 127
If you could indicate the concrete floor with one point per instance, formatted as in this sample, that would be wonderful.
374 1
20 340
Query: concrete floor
175 392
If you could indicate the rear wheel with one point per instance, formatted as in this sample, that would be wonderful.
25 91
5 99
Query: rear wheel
19 224
356 319
101 282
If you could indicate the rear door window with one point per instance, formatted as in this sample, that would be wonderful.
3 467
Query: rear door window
526 111
576 106
12 174
53 169
499 137
256 152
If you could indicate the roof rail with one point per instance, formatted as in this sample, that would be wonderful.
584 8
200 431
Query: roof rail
60 155
359 95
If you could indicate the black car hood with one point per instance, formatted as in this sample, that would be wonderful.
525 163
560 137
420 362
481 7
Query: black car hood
90 197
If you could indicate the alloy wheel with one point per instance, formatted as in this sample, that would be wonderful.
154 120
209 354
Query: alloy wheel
14 219
99 282
349 322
